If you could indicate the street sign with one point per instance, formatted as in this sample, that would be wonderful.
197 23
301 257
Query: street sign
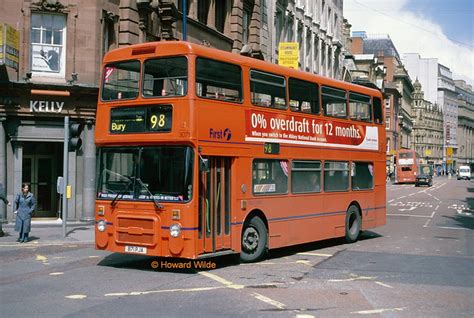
427 152
288 53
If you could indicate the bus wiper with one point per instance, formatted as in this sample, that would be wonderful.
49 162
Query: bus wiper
121 193
155 200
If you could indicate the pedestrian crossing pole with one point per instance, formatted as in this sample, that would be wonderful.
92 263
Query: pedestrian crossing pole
65 172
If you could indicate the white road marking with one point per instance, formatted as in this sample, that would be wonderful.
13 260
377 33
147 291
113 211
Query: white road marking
391 200
221 280
427 223
410 209
453 228
56 273
384 285
307 263
76 296
315 254
378 311
269 301
41 258
410 215
162 291
352 279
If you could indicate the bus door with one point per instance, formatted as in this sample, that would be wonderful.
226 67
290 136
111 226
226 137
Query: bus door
214 205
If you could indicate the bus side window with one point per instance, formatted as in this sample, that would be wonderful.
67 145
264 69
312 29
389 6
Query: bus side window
336 176
218 80
304 96
359 107
334 102
267 89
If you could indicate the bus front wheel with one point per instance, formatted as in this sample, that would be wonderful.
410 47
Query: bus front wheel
254 240
353 224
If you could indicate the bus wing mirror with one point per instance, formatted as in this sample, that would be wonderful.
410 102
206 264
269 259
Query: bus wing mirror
204 165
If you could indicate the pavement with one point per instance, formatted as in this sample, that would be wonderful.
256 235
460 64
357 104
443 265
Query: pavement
52 232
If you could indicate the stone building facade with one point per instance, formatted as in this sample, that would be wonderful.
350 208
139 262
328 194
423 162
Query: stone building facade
317 26
465 129
427 128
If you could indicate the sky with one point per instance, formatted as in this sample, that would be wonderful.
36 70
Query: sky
442 29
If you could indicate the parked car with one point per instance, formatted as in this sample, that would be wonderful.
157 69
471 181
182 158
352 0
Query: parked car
425 176
464 173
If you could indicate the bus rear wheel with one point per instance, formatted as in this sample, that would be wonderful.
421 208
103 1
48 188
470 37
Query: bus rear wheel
353 224
254 240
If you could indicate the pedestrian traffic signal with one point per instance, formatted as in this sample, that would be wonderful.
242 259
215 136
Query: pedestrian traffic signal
75 142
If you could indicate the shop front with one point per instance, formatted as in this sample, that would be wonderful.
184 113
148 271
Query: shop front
32 143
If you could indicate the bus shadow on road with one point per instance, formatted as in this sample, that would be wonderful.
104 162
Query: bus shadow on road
172 265
187 266
316 246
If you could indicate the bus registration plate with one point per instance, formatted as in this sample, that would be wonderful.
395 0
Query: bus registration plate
135 249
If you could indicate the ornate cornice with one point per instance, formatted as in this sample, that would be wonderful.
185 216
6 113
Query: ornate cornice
50 6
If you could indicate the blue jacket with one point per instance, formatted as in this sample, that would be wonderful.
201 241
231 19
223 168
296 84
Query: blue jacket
25 206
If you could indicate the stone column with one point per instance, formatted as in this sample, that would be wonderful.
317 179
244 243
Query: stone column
89 173
17 167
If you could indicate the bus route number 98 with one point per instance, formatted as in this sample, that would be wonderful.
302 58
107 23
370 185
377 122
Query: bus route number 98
159 119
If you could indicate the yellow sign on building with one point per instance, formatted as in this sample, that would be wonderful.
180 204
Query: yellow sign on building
428 152
12 47
449 151
288 53
1 42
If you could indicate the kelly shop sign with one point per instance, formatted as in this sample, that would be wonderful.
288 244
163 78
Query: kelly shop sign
46 106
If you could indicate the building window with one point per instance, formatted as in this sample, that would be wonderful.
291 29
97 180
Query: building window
203 10
108 30
221 14
246 20
48 38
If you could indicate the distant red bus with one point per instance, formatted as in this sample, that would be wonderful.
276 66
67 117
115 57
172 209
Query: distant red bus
407 166
203 152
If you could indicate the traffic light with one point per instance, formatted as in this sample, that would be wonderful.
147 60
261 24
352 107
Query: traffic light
75 142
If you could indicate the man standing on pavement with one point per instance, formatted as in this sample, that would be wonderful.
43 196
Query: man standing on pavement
25 205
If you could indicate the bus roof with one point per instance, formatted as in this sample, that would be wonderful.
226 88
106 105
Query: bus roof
152 49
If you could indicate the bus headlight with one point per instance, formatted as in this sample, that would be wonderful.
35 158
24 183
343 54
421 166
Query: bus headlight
175 229
101 226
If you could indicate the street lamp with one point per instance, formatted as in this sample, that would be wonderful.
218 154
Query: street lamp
400 135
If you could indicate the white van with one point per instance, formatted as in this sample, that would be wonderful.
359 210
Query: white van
464 173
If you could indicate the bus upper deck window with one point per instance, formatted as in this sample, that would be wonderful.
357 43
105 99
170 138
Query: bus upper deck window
378 112
304 96
218 80
359 107
120 80
267 89
334 102
165 77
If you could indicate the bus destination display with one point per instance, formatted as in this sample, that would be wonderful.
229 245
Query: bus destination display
140 119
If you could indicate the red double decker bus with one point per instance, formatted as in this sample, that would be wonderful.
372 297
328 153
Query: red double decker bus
407 162
203 152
